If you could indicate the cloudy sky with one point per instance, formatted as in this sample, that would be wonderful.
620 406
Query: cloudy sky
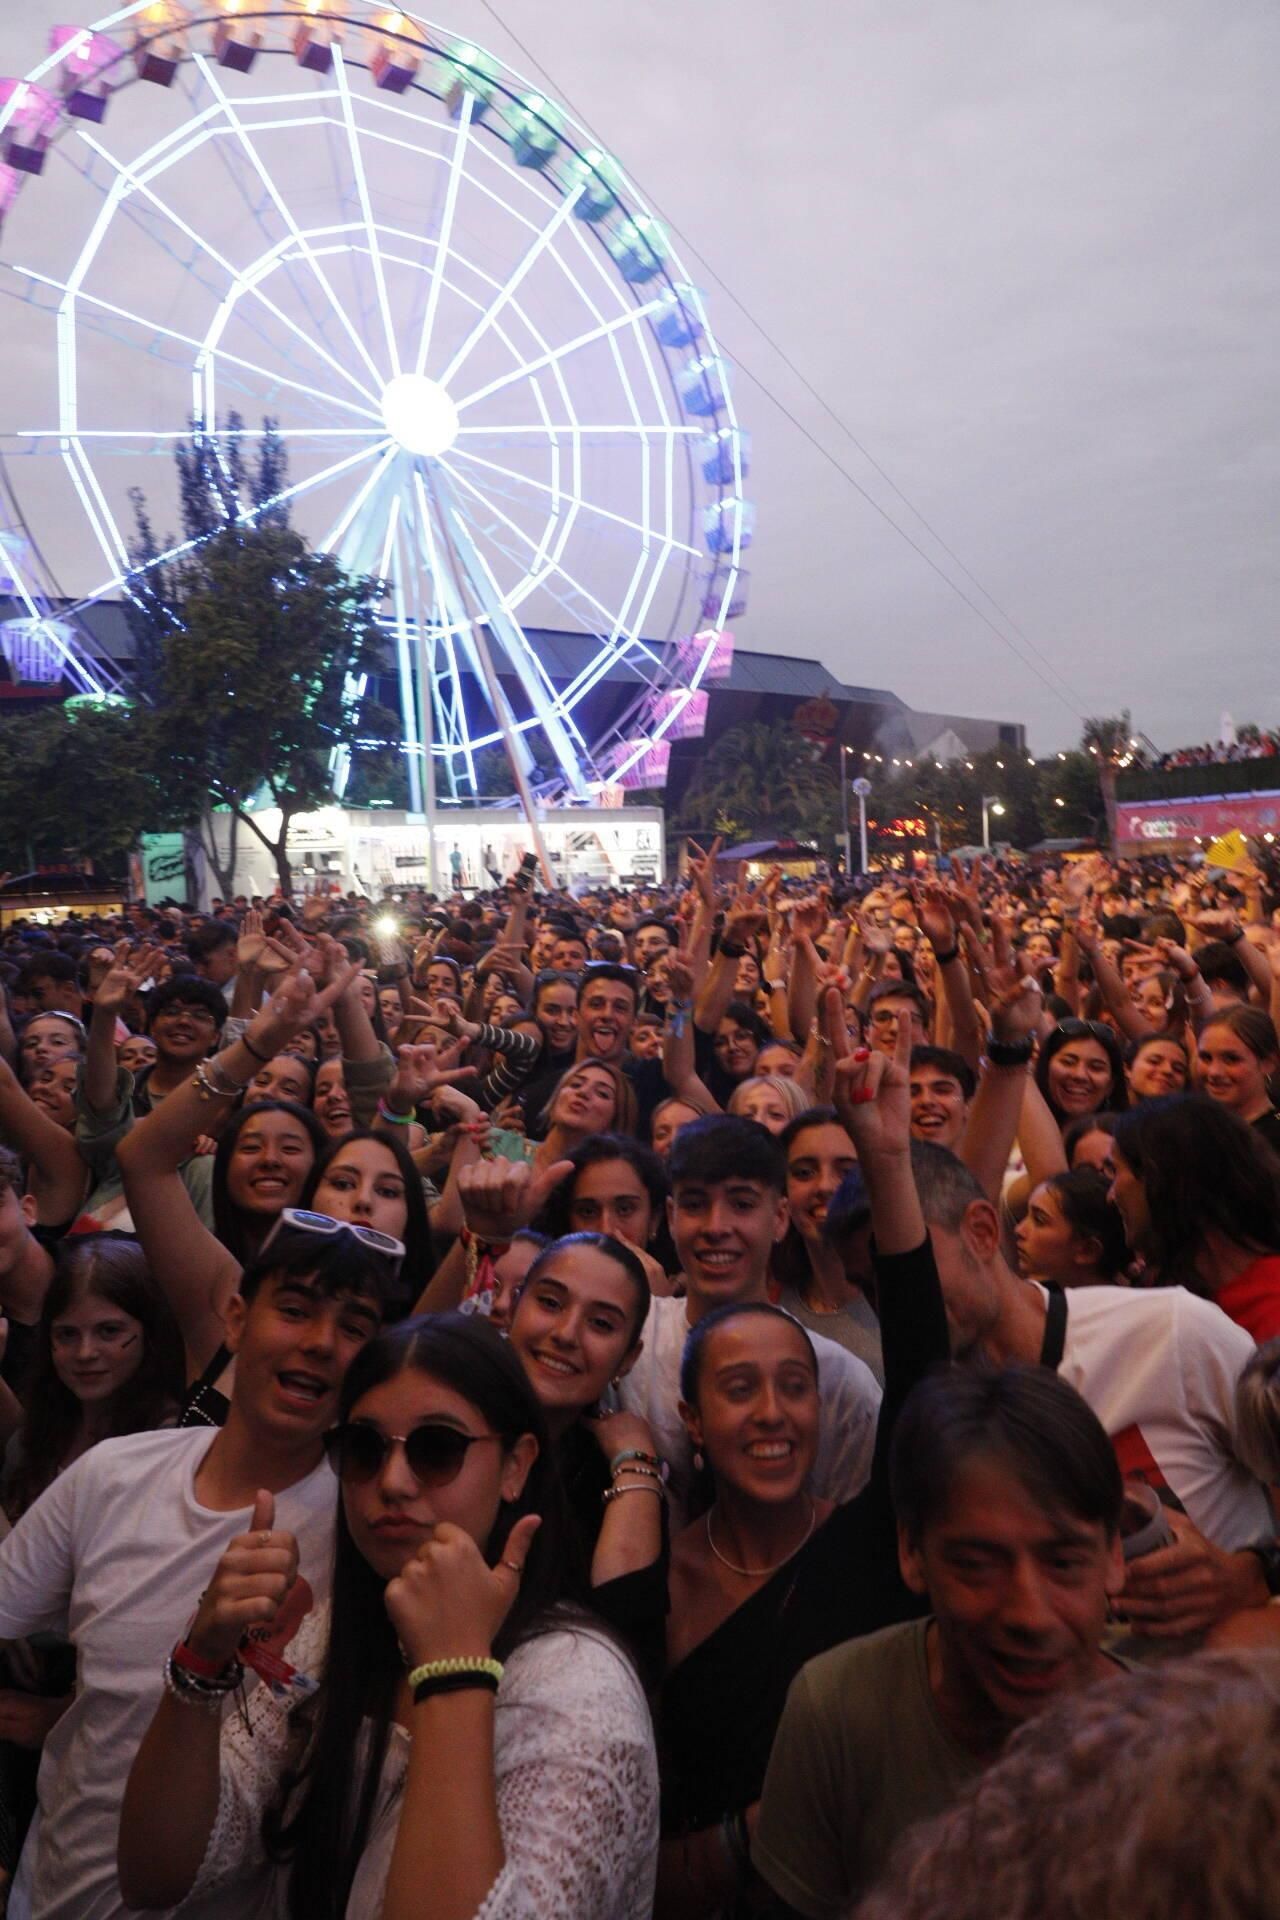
1027 251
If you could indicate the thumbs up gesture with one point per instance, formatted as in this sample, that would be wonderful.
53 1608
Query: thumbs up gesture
446 1603
248 1586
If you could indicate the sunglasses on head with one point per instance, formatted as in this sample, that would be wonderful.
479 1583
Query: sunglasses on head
434 1453
326 1226
1086 1030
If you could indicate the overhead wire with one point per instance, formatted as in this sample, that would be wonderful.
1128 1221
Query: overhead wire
1062 692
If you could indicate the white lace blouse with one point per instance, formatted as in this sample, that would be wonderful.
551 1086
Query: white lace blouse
577 1785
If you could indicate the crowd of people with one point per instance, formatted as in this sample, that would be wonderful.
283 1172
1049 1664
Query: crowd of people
1250 743
735 1398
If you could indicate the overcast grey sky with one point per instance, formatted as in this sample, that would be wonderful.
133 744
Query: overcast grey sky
1028 250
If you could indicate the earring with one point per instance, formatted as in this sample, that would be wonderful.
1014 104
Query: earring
698 1461
616 1381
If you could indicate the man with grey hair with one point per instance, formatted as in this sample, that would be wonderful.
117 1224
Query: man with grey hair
1159 1368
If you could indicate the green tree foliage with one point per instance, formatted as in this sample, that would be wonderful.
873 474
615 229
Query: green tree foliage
249 650
257 684
760 779
73 783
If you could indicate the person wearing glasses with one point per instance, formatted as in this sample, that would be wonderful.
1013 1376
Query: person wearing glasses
890 1002
185 1017
114 1551
469 1739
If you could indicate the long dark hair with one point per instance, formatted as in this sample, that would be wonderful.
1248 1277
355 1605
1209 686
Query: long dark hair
114 1267
1203 1170
239 1230
1116 1098
323 1813
419 1256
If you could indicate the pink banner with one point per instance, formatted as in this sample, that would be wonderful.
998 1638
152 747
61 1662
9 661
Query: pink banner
1174 826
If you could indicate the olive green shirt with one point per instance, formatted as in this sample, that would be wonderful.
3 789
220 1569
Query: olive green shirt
860 1755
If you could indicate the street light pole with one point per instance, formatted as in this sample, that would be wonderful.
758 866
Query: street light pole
844 796
996 804
862 788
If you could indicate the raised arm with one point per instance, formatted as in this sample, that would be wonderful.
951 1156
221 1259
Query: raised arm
1014 1001
1129 1017
743 921
942 930
56 1175
1226 927
172 1797
194 1269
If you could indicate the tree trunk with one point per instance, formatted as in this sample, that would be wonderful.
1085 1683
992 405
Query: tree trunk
225 875
281 851
1107 782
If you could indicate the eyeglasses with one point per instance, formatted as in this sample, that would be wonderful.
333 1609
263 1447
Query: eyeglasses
326 1226
434 1454
185 1010
889 1016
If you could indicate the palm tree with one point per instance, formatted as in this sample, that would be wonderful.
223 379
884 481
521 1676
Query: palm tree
760 778
1106 739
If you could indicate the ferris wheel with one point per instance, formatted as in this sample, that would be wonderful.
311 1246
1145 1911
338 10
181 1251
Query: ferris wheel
498 391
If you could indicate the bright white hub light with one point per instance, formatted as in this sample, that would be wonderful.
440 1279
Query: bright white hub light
419 414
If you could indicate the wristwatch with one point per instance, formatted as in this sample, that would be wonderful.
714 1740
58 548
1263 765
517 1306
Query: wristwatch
1268 1552
1011 1053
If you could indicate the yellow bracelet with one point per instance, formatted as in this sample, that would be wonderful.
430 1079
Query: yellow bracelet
435 1669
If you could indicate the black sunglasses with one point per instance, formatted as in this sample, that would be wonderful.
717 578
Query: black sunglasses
434 1453
1087 1030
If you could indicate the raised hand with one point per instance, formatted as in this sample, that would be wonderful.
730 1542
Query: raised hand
256 953
809 918
501 1196
418 1078
702 871
874 939
680 978
1013 995
127 974
446 1603
933 905
248 1587
873 1098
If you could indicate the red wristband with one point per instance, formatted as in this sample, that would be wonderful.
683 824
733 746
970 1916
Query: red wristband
193 1663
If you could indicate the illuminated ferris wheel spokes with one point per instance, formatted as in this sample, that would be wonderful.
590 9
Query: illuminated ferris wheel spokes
467 334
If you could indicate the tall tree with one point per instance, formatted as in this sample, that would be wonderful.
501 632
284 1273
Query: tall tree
760 779
260 678
75 782
1106 738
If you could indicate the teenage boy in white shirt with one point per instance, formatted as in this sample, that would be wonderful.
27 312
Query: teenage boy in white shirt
114 1554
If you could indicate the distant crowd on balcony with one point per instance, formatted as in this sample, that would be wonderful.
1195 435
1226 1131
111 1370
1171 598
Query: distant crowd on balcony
1250 743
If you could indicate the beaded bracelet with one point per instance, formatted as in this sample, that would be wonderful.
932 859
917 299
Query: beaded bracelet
634 1453
207 1086
636 1486
439 1669
190 1691
643 1473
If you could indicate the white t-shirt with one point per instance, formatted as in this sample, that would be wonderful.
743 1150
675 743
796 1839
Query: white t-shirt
848 1389
114 1556
1159 1368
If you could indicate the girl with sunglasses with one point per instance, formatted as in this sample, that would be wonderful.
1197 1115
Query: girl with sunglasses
476 1743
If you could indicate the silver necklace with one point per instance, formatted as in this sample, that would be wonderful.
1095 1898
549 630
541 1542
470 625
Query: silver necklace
758 1573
